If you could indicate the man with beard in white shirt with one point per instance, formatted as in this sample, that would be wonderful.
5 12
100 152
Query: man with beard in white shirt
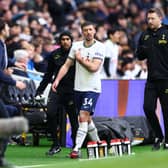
88 55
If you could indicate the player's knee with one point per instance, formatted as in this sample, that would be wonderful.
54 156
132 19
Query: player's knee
84 117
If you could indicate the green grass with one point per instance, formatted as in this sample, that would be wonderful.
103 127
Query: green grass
33 157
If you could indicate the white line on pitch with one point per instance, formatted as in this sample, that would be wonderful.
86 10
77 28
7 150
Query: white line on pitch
31 166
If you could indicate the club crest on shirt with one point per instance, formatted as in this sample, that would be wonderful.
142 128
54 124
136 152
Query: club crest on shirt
56 56
162 40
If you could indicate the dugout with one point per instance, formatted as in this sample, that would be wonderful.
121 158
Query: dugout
34 110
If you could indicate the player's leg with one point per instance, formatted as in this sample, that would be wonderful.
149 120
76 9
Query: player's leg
92 131
52 122
86 104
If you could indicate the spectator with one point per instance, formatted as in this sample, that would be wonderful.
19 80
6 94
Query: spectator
127 67
23 56
101 32
40 64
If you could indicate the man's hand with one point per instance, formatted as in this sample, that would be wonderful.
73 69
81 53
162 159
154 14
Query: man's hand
20 65
55 85
8 71
20 85
78 56
80 59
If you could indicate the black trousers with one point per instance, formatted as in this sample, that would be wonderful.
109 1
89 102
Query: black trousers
3 141
57 104
154 90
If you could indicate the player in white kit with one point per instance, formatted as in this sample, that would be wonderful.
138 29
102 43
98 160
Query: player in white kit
88 55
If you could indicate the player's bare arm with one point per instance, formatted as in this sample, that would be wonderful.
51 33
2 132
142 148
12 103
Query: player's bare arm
91 65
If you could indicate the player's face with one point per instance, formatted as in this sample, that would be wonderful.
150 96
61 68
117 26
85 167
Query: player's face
66 42
116 36
88 32
154 21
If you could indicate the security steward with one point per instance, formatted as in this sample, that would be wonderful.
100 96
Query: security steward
64 97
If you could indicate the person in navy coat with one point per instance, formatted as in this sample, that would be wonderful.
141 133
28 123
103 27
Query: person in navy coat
6 79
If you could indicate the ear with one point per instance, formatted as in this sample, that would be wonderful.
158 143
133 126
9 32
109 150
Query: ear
3 31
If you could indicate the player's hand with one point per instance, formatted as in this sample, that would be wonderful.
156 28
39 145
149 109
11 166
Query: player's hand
80 58
55 85
78 55
20 85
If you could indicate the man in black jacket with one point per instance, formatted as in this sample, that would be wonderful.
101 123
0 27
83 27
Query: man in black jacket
7 80
64 97
153 46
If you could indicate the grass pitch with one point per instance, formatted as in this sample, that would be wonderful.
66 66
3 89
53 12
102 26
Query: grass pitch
34 157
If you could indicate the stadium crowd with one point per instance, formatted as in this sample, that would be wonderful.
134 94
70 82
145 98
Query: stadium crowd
35 26
34 30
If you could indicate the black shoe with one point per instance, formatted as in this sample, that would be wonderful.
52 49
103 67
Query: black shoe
53 150
165 146
157 144
5 164
18 140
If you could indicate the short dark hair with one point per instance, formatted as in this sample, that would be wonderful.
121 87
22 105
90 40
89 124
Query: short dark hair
87 23
112 31
126 60
65 33
155 10
2 24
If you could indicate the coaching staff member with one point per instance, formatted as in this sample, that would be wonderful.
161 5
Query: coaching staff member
153 46
65 94
6 80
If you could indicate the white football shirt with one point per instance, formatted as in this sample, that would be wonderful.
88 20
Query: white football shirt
85 80
112 52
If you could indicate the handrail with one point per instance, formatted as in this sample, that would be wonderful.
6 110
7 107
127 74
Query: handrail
29 71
